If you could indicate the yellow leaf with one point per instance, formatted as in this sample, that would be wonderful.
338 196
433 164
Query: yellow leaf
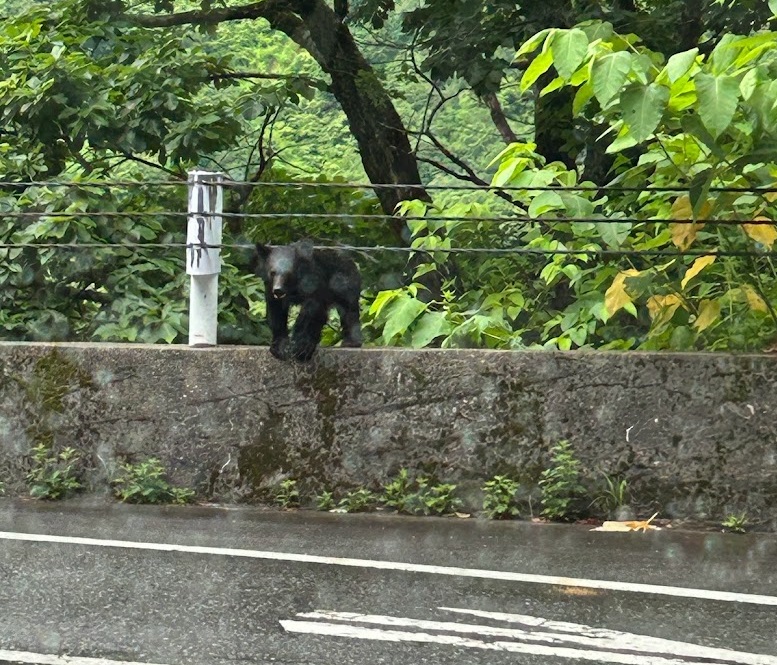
754 300
698 265
684 234
662 309
633 525
616 297
709 310
682 209
766 234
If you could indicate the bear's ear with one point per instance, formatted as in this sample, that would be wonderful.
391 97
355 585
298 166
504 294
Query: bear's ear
304 249
259 259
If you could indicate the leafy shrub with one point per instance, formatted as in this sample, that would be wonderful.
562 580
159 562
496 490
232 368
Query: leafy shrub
358 501
53 476
559 484
736 523
420 497
397 494
434 499
145 482
325 501
499 500
287 495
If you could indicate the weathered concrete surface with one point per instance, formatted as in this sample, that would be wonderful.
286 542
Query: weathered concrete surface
694 434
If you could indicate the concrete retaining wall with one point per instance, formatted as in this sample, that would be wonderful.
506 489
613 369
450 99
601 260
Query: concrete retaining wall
694 434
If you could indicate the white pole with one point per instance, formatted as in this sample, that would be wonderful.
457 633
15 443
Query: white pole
203 260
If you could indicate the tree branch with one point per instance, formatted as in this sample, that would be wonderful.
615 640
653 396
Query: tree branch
469 175
272 77
146 162
498 118
199 17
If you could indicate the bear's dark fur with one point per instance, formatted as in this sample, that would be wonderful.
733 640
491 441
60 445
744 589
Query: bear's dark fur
316 279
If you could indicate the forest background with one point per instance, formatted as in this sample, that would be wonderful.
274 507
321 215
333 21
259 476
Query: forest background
635 142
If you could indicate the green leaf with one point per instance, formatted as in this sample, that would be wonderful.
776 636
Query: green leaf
430 326
773 7
614 233
569 48
544 202
643 107
554 85
533 43
693 125
679 64
381 300
596 30
750 82
698 190
404 310
582 97
718 99
537 68
609 74
723 54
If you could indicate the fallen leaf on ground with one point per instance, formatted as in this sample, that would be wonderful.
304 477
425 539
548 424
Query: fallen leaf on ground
631 525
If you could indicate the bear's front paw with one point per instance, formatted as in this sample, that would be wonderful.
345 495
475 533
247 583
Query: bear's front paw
303 351
280 348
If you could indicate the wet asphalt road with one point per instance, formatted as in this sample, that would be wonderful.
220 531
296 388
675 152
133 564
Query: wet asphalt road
311 588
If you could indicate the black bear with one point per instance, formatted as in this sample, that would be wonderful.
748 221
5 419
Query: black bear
316 279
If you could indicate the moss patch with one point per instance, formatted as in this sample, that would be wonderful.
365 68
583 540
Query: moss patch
55 377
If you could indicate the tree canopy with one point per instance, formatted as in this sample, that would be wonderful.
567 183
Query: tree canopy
635 142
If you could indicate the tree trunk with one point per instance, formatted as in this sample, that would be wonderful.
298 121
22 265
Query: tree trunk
374 122
554 125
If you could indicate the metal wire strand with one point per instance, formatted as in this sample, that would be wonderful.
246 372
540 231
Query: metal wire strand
368 186
515 219
368 249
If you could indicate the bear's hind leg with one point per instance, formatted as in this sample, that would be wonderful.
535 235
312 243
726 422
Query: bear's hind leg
349 322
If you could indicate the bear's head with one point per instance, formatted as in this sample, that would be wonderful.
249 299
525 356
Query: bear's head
282 266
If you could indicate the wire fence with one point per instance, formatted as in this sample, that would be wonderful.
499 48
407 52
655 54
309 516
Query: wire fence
499 251
517 220
498 219
397 186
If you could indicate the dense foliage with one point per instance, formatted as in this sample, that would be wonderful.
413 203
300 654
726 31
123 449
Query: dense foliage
631 96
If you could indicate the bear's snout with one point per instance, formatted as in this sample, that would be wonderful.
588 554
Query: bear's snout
278 293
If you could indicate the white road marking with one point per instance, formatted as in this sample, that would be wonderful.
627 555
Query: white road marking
30 658
357 632
610 585
553 632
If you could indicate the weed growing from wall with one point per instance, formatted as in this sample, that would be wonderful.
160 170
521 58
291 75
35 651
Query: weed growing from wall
325 501
559 484
613 496
287 495
53 475
421 496
358 501
145 482
397 493
435 499
499 498
736 523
